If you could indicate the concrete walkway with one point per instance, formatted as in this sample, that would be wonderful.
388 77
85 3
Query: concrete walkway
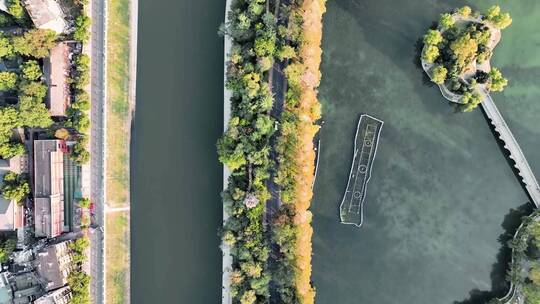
511 144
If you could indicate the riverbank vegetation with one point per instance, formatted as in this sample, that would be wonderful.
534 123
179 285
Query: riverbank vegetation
118 136
458 50
524 269
261 39
244 148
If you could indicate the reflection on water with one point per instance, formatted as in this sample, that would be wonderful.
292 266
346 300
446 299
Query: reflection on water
441 194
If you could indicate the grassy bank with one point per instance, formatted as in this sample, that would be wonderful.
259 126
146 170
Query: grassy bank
118 128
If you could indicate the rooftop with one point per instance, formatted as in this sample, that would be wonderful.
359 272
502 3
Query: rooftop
46 14
58 296
56 68
48 187
53 265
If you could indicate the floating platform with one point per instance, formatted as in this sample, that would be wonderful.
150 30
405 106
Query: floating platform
365 149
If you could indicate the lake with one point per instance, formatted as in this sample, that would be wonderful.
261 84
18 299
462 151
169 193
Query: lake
442 197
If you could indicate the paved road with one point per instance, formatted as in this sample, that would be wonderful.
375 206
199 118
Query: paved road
97 148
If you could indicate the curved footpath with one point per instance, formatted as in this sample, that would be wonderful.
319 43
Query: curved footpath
495 117
227 94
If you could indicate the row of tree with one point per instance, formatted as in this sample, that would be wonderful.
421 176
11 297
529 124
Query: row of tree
26 84
245 147
78 280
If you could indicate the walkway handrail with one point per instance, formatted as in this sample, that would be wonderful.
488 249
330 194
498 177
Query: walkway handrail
511 144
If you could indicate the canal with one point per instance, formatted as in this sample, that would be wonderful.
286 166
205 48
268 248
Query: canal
442 199
176 178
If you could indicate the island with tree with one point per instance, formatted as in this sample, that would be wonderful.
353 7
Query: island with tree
457 52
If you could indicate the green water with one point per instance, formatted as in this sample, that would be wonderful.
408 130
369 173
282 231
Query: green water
441 193
176 178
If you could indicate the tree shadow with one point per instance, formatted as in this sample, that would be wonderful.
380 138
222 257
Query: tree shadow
499 285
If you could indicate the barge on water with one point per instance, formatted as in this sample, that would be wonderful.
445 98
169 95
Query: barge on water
365 149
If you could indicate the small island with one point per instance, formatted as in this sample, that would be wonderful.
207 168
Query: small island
456 55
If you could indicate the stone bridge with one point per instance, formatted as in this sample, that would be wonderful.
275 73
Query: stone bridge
511 144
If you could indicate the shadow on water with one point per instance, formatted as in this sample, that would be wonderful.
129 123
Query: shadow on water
499 286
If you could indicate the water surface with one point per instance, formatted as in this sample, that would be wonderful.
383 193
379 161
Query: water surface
440 199
176 178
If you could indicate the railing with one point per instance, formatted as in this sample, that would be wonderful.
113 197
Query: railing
511 144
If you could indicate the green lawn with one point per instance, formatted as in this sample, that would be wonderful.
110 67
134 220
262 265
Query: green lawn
118 128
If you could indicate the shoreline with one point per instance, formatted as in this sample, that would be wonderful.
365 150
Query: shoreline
227 94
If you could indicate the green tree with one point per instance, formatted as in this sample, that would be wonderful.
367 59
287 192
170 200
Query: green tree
464 48
464 11
430 53
286 52
439 74
61 133
79 154
31 70
248 297
265 45
15 9
498 19
84 203
15 187
35 43
230 155
498 82
433 37
34 89
532 293
82 24
9 149
6 248
79 283
33 113
8 81
446 21
6 48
